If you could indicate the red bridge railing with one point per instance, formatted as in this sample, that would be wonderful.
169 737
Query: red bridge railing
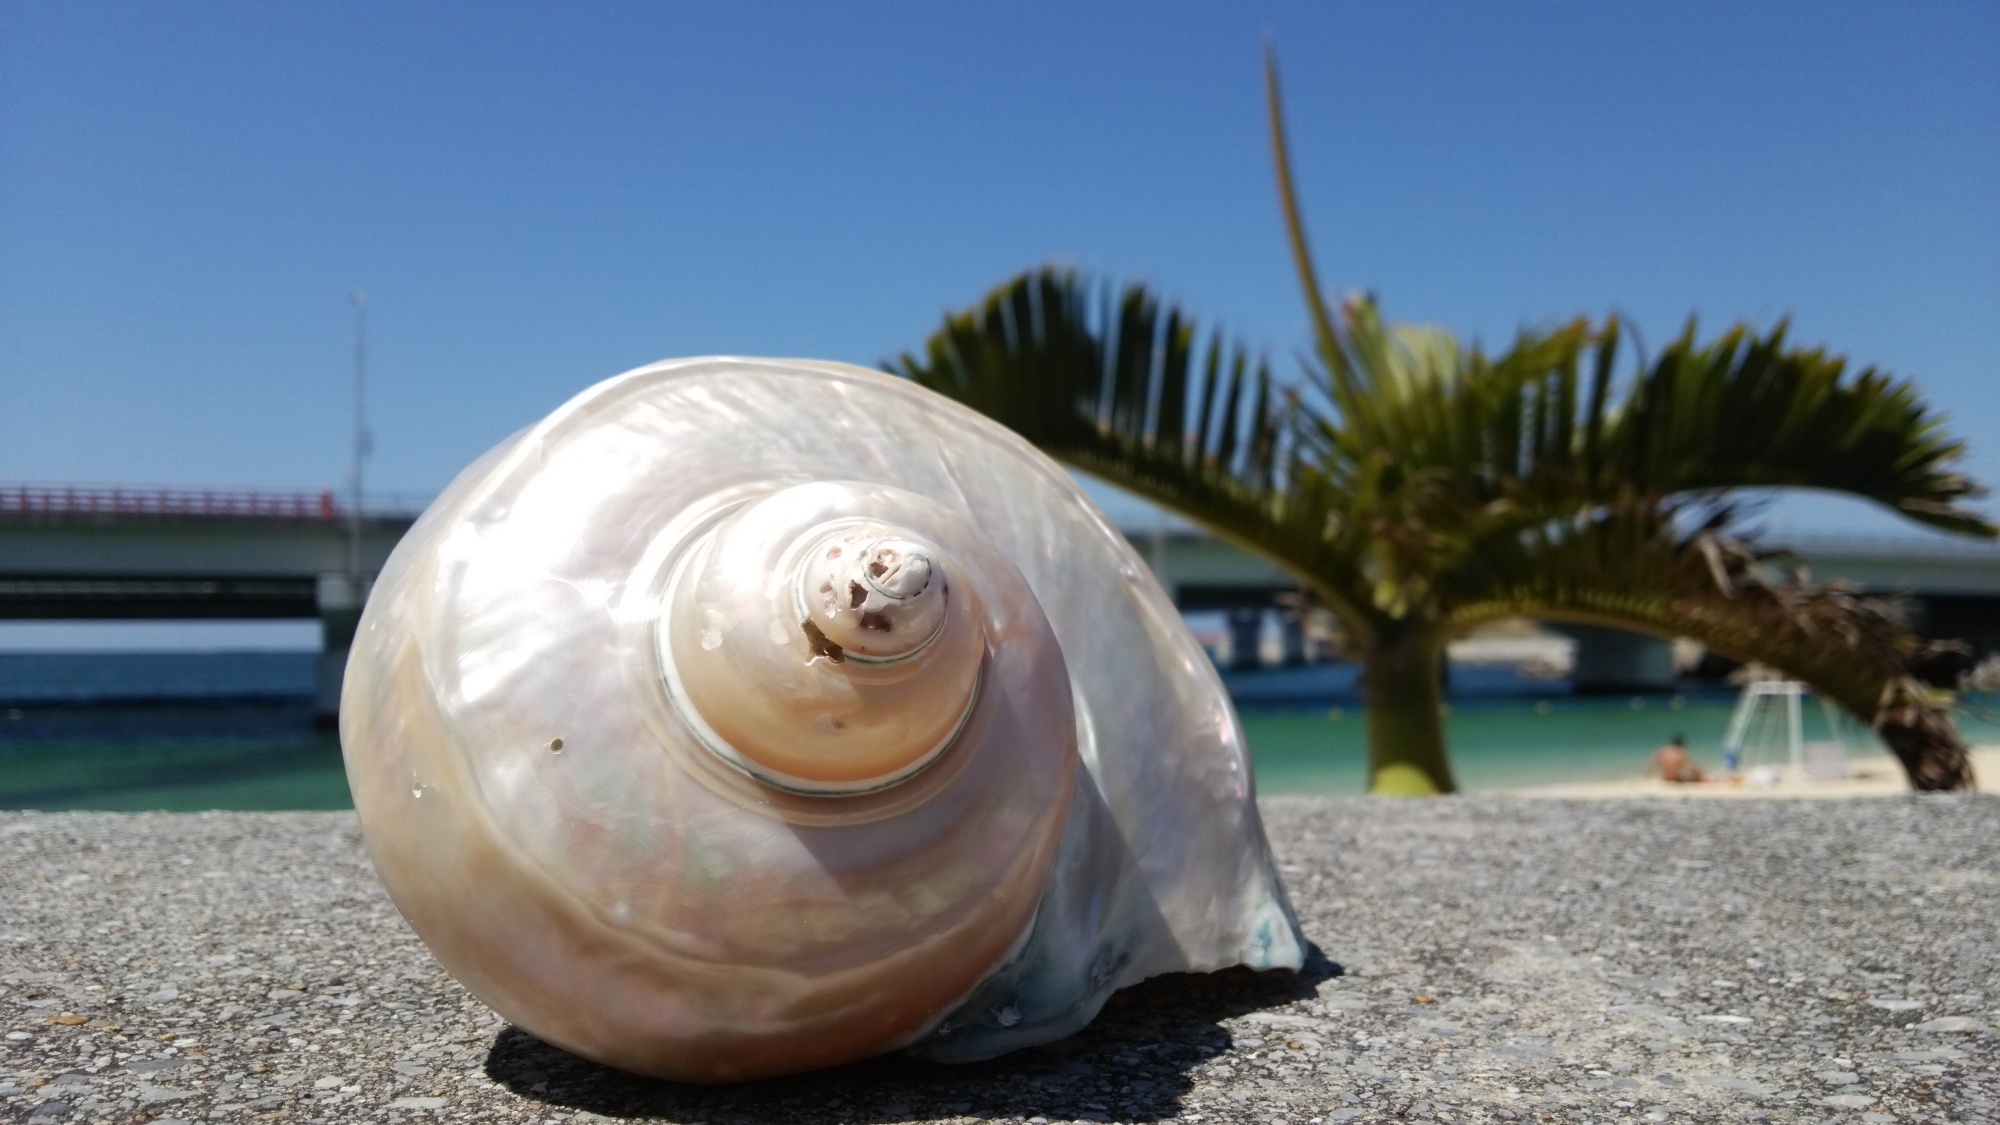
224 503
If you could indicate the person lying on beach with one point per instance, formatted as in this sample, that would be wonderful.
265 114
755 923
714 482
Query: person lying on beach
1671 762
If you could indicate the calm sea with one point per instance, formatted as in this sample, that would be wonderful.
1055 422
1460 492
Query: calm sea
188 731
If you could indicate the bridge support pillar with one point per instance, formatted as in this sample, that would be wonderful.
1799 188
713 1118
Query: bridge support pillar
340 599
1246 637
1292 629
1613 661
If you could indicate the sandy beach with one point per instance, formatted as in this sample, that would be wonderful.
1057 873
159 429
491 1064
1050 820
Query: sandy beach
1876 775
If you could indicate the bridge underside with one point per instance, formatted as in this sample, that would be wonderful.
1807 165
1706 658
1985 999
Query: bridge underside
59 598
332 599
1971 618
1606 660
1195 598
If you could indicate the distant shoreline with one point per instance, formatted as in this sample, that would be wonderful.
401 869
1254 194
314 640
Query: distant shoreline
1873 775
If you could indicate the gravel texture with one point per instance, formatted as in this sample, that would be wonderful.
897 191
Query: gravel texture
1498 959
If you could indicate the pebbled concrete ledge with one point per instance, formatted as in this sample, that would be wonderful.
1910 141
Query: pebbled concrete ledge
1487 959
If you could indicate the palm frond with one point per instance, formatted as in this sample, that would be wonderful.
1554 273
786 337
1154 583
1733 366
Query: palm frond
1324 331
1747 411
1131 391
1418 486
1509 441
1505 442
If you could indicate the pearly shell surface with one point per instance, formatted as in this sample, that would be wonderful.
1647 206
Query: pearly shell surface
745 717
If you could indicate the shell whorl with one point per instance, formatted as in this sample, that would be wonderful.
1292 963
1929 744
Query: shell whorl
872 597
823 656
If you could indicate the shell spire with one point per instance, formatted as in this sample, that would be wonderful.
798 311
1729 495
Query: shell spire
882 602
822 652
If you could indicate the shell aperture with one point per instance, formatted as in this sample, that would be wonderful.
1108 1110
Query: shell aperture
871 730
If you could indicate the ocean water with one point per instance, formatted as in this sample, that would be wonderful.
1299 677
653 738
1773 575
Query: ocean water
184 731
179 731
71 678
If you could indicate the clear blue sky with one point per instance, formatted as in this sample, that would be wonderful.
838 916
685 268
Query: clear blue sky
539 196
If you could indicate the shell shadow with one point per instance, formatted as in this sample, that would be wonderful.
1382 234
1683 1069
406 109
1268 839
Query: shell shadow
1134 1062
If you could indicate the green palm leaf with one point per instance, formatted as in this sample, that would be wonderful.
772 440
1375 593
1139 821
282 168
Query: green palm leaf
1430 488
1747 411
1120 388
1420 487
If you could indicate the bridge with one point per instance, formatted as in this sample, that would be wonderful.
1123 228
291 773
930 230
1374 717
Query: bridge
1951 587
75 552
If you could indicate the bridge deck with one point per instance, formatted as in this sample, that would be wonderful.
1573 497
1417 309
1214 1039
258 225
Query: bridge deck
106 551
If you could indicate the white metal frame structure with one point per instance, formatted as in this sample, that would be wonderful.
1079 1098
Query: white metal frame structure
1793 694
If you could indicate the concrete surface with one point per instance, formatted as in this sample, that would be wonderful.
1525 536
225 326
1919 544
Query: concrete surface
1485 959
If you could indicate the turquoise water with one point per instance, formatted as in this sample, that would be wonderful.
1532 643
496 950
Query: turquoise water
177 731
1494 746
188 745
1510 744
178 757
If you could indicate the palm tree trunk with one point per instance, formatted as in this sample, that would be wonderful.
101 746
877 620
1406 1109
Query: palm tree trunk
1404 695
1932 753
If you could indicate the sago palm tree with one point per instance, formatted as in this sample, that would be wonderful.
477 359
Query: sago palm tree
1418 488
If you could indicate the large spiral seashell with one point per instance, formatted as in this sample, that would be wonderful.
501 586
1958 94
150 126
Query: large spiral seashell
745 717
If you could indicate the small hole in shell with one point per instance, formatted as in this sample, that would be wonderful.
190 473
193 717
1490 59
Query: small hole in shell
555 745
856 594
